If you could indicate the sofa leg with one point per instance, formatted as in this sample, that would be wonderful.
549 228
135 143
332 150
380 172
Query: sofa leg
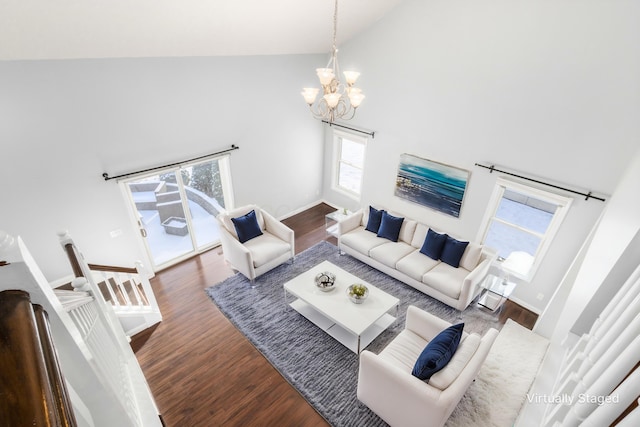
252 283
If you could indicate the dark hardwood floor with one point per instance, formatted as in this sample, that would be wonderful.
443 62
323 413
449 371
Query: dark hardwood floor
202 371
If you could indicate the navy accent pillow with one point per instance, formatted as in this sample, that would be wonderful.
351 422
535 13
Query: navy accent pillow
375 217
390 226
452 251
433 244
247 226
438 352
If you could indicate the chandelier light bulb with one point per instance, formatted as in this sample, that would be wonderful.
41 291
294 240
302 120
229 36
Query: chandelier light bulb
356 98
326 75
351 77
310 94
332 99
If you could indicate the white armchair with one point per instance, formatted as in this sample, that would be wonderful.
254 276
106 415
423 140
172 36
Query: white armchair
260 254
386 386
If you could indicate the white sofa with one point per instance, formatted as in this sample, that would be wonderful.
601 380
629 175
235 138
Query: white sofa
260 254
387 387
456 287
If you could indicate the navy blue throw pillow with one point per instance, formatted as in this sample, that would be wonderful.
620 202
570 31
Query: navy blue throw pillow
452 251
433 244
247 226
390 227
438 352
375 217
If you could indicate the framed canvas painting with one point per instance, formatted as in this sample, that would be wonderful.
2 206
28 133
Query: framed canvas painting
432 184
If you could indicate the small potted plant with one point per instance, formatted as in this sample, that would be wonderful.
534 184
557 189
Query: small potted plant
357 293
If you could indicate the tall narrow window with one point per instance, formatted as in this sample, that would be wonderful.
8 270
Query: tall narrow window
349 151
520 224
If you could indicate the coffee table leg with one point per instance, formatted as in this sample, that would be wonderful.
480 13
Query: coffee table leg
358 344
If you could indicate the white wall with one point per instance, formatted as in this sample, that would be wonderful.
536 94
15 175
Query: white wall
545 88
64 123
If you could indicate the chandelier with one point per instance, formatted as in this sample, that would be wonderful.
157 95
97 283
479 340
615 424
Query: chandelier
338 101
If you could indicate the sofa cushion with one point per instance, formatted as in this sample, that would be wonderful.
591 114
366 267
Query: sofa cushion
433 244
415 265
471 256
375 218
419 235
452 251
247 226
391 252
266 248
390 226
361 240
438 352
466 349
446 279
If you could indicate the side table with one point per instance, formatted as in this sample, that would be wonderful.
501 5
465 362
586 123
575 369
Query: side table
496 291
331 221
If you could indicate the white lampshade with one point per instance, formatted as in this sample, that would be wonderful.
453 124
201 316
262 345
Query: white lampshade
356 97
310 94
351 77
325 75
332 99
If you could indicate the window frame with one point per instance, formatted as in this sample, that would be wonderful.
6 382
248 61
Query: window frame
338 136
563 204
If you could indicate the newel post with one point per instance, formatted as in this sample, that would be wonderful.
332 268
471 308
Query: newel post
68 246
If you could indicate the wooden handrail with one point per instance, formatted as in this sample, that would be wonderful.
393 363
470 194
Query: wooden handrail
31 382
112 269
77 271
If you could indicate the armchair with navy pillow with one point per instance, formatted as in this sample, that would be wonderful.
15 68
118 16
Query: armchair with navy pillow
419 378
253 241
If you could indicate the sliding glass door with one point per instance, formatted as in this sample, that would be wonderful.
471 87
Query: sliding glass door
175 209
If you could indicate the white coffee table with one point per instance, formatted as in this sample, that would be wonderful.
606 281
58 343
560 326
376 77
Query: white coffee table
353 325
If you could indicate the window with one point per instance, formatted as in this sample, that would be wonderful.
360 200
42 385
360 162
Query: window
349 151
520 224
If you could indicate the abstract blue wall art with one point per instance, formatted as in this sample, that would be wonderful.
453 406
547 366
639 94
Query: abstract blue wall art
432 184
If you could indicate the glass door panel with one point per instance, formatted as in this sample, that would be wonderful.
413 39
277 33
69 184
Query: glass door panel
161 217
203 184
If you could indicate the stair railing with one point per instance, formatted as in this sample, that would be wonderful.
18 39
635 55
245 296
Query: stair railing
32 386
127 290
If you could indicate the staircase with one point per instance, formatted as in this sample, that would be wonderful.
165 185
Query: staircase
104 383
126 289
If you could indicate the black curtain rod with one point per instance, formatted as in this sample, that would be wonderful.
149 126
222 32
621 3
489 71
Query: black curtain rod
107 177
372 134
587 196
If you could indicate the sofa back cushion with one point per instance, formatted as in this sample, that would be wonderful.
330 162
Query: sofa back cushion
471 256
419 235
407 231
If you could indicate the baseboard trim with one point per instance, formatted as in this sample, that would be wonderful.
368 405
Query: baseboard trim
526 305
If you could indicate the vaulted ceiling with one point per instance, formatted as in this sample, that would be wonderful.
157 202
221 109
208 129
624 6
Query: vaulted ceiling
65 29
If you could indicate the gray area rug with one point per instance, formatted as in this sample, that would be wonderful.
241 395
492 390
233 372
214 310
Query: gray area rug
320 368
